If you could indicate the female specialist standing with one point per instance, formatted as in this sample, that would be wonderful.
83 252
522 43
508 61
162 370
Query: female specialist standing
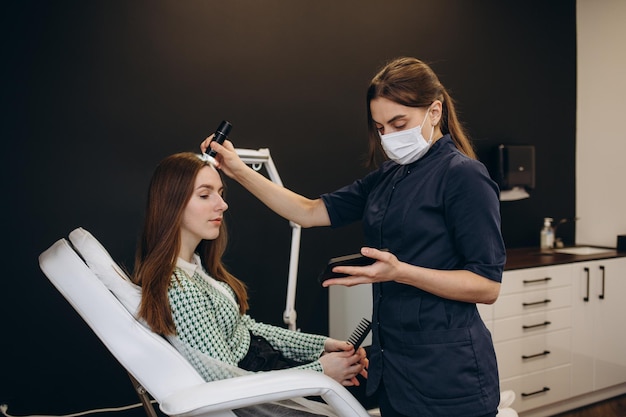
436 210
188 294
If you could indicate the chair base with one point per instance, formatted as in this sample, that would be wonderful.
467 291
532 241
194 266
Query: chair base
143 397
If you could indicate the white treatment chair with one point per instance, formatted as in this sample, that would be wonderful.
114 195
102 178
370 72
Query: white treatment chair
107 301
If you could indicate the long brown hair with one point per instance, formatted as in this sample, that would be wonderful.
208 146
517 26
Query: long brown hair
170 189
411 82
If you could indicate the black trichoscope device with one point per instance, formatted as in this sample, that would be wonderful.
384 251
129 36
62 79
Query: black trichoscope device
221 134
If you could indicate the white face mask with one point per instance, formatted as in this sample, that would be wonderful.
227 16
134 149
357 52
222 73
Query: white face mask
408 145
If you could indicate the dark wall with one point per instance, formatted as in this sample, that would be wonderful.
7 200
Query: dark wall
97 92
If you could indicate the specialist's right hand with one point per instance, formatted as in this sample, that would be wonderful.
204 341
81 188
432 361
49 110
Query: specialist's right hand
205 143
226 159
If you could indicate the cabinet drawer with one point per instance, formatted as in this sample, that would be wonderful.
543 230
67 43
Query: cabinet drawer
535 278
532 302
533 353
540 388
531 324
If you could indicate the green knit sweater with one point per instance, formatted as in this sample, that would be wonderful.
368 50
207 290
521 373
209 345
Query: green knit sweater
208 321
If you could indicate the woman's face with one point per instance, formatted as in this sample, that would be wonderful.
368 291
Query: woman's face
389 116
203 214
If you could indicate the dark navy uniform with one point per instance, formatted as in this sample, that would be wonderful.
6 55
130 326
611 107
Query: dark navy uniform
434 356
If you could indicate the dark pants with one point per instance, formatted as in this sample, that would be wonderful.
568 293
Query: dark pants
262 356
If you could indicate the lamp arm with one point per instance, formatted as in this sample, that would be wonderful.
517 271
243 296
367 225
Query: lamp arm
257 158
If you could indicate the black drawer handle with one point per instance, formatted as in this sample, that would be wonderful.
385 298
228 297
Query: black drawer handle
533 281
546 301
586 298
536 355
531 326
601 296
544 389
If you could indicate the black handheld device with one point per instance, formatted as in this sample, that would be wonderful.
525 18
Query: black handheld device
349 260
221 134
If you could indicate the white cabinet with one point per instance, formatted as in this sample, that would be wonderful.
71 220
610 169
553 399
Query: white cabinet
346 307
599 315
532 326
560 333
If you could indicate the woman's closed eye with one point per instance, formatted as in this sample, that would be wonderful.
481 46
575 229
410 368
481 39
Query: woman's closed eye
206 196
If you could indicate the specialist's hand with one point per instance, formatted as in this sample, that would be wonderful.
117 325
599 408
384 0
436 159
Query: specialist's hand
460 285
226 159
344 366
205 143
384 269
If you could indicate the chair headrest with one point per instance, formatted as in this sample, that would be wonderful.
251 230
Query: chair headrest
102 264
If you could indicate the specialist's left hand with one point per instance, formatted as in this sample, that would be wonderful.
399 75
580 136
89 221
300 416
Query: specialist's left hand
384 269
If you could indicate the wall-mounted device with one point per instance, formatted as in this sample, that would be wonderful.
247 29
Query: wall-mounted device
516 171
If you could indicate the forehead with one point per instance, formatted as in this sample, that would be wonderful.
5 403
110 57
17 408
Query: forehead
383 110
208 177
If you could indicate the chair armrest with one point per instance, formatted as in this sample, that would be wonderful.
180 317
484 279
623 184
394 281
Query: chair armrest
260 388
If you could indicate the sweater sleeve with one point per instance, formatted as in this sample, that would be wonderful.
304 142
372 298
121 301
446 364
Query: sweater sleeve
299 346
209 324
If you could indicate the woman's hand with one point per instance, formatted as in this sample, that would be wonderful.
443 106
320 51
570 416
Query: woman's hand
334 367
334 345
343 366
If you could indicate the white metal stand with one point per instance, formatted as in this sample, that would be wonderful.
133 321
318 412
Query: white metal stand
256 159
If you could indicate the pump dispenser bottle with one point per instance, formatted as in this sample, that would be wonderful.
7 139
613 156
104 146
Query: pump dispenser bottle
547 234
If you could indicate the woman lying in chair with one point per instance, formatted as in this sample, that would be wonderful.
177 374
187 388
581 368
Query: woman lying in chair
188 295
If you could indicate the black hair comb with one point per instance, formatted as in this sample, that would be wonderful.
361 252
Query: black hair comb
360 333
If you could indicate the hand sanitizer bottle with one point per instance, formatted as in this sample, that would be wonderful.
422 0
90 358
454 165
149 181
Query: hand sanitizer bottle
547 234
